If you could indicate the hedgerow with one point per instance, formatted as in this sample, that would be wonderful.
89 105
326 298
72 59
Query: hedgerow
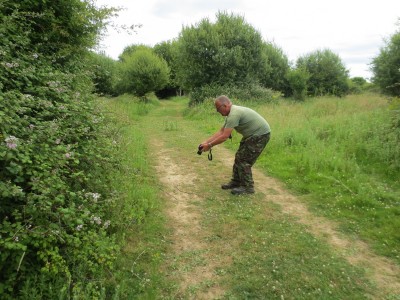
55 196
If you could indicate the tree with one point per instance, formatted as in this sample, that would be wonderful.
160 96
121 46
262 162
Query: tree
386 67
103 73
328 74
129 50
278 66
228 52
298 79
142 72
167 51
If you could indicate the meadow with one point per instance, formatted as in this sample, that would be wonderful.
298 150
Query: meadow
341 155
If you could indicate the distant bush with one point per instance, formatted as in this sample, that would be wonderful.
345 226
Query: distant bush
244 93
328 75
298 79
103 69
227 52
142 71
386 67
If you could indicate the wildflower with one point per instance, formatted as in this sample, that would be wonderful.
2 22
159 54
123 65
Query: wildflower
31 126
94 196
35 55
96 220
58 141
79 227
10 65
68 155
11 142
107 224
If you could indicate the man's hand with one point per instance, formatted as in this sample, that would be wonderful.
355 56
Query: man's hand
205 146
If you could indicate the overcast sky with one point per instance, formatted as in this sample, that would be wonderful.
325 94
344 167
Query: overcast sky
353 29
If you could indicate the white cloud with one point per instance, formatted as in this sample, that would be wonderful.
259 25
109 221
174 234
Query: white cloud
353 29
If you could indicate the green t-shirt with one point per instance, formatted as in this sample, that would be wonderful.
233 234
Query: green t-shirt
246 121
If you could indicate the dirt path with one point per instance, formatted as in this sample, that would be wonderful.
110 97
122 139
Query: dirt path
195 261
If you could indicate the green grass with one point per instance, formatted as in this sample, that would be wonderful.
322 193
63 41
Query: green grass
269 255
276 258
142 223
340 154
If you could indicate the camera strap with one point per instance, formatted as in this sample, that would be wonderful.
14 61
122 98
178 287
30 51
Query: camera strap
209 154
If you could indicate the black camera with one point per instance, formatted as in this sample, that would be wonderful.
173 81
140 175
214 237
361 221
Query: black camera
199 149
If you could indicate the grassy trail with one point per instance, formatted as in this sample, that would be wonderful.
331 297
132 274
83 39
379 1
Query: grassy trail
264 246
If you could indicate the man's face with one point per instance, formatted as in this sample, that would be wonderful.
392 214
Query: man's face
223 109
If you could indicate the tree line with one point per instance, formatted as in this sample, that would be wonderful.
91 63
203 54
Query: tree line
230 55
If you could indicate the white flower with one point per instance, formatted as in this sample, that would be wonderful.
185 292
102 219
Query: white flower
79 227
107 224
93 196
96 220
11 142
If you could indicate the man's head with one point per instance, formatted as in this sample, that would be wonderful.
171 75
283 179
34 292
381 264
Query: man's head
223 105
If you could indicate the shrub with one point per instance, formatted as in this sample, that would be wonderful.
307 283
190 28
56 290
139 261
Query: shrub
328 75
54 193
243 93
386 67
142 72
103 70
298 79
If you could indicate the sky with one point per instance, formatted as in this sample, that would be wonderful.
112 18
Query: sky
355 30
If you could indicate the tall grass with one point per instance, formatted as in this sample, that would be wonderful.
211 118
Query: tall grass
341 154
139 202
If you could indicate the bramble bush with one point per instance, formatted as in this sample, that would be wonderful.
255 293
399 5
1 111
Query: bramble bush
55 198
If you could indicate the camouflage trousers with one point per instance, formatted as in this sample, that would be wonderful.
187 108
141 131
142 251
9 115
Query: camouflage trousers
247 154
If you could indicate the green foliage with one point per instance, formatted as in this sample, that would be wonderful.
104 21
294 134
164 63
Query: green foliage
103 70
142 72
54 192
228 52
244 93
168 51
298 79
61 30
328 75
278 65
129 50
386 67
343 155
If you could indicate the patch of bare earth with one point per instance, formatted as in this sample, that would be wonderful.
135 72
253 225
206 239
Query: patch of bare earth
195 262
